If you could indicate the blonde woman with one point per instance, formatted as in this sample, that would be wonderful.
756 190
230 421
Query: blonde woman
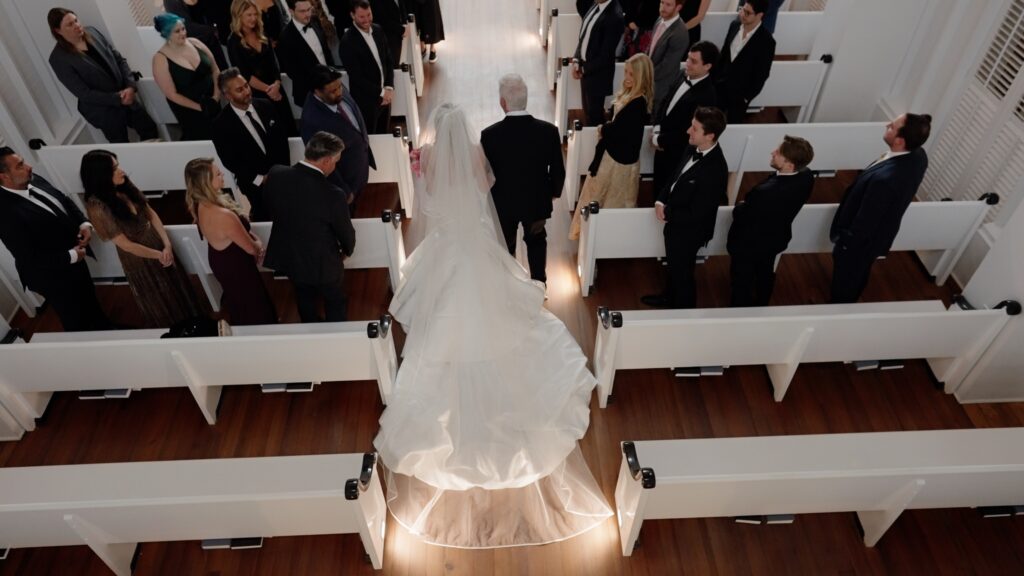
615 172
233 251
251 51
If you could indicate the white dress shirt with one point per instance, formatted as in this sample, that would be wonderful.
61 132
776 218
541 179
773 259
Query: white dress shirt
588 26
308 165
740 40
27 196
683 89
689 164
312 40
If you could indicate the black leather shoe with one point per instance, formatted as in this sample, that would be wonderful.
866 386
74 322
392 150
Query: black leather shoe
656 300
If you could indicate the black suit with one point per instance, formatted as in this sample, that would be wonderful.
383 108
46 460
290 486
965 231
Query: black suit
762 226
297 59
242 155
673 122
525 155
311 231
740 80
691 208
868 219
391 15
598 64
364 75
353 170
40 241
97 86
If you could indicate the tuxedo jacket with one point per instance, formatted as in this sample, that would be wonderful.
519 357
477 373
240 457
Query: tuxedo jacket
675 121
364 76
298 60
740 81
95 88
525 155
668 54
763 222
599 61
239 151
39 241
353 170
312 227
870 212
391 15
691 204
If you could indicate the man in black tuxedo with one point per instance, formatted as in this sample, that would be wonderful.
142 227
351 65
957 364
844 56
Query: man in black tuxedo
330 108
689 207
371 68
301 48
249 139
746 61
762 224
48 237
869 215
691 89
583 5
525 155
312 231
392 16
594 60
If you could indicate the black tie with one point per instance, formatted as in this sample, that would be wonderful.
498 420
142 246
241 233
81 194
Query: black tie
688 82
258 127
306 28
57 210
697 155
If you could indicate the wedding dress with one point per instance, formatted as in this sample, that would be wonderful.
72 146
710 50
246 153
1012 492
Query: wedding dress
479 439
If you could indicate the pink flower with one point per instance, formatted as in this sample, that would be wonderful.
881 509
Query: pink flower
414 160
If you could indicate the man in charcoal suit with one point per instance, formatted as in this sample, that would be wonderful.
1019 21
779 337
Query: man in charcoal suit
669 42
301 48
869 215
371 68
330 108
49 238
249 139
312 232
525 155
762 224
689 207
692 89
746 61
594 60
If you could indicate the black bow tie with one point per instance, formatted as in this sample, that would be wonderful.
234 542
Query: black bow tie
306 28
688 82
696 156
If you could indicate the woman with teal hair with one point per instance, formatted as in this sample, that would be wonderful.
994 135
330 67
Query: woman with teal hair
186 72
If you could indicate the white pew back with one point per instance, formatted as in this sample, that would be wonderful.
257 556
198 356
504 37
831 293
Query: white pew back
547 7
877 474
562 39
138 359
783 337
113 507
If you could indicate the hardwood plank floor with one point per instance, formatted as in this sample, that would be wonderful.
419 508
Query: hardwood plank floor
486 40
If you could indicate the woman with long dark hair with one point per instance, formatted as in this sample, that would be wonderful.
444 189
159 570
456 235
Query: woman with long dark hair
121 214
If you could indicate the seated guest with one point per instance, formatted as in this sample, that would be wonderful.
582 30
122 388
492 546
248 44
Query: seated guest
370 66
668 48
186 73
689 208
251 52
302 47
312 231
693 14
249 138
95 72
614 178
330 108
121 214
762 223
49 239
594 59
745 62
691 89
233 251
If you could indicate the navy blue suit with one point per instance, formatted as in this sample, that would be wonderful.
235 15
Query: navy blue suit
353 171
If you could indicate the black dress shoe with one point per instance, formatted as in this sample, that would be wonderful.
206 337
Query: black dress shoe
656 300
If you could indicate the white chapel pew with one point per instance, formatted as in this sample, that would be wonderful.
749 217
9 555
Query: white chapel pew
548 9
562 39
878 475
747 148
940 231
113 507
783 337
139 359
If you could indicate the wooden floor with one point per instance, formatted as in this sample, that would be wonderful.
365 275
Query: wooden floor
485 40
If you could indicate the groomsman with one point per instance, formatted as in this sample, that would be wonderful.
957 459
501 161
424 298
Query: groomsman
525 155
872 208
371 68
301 48
391 15
692 89
668 47
49 238
594 60
762 222
249 139
689 208
746 61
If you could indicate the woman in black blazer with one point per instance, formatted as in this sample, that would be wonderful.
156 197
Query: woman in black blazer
614 178
96 73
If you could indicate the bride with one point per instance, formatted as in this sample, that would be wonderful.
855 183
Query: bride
479 441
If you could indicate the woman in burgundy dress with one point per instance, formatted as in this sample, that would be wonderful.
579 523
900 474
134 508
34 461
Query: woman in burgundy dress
234 252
